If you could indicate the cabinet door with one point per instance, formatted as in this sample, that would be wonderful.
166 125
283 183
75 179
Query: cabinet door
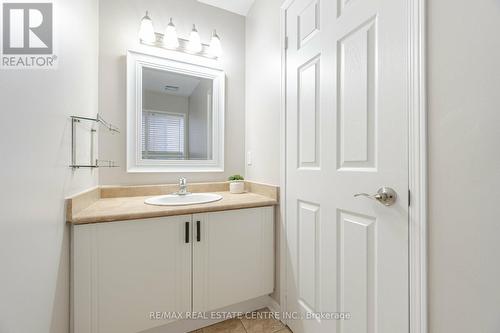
233 261
124 271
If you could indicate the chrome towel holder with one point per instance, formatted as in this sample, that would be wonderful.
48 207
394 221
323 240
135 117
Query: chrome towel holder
94 162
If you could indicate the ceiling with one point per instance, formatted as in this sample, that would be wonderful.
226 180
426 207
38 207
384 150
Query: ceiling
156 80
236 6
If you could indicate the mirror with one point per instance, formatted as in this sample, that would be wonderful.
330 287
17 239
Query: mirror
175 116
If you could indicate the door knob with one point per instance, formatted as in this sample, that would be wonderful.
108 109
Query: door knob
386 196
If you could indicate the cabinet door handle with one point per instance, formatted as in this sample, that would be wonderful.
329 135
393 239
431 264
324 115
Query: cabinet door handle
198 231
187 232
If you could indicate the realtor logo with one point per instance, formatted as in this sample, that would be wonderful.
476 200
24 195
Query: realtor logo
28 35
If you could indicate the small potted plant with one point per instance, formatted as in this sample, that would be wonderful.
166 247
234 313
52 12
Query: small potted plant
236 184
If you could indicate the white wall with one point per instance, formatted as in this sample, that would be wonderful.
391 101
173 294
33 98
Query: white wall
263 91
35 106
119 23
464 125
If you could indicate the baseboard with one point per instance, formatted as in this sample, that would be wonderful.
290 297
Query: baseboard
184 326
274 306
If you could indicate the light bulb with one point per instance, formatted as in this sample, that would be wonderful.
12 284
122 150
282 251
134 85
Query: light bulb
215 48
170 39
147 31
194 44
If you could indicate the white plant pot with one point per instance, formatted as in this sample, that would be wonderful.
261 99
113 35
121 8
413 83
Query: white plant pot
237 187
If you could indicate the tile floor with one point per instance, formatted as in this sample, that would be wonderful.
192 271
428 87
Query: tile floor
263 323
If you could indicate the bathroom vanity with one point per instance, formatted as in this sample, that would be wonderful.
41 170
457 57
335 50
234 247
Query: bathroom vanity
130 260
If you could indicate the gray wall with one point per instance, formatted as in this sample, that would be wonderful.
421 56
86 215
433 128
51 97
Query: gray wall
464 135
156 101
35 141
119 24
200 121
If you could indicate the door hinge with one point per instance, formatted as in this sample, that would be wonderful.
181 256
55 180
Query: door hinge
409 198
286 43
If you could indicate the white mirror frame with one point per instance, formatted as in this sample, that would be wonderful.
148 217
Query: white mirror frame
136 61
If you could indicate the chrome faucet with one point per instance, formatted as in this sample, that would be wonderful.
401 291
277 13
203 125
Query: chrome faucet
182 187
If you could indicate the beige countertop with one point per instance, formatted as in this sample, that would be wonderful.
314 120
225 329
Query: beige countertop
110 204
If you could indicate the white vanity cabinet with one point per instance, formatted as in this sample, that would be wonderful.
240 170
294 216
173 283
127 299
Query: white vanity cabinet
123 271
233 257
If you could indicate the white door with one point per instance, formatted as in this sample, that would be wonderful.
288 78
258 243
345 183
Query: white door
123 271
232 257
347 132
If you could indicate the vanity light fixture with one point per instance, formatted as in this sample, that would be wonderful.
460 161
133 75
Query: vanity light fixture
215 48
170 40
147 31
194 44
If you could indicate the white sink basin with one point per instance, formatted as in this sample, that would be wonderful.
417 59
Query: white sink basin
183 200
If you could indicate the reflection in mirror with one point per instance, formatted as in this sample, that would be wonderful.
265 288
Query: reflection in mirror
176 116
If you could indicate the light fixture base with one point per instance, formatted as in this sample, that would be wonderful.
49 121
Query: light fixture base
183 46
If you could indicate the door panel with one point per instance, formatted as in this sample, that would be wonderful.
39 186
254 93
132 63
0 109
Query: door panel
356 270
308 114
307 271
308 22
356 98
346 133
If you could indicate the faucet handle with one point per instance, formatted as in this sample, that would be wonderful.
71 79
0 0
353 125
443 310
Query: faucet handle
182 181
